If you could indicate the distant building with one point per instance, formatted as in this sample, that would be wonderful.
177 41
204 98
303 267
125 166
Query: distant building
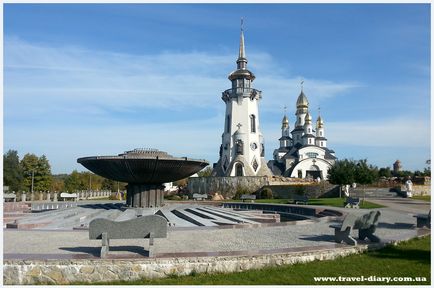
242 148
303 152
397 167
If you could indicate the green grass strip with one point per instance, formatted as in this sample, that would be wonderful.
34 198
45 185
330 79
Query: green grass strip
334 202
426 198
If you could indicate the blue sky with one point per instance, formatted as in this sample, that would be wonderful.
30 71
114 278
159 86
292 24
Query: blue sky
100 79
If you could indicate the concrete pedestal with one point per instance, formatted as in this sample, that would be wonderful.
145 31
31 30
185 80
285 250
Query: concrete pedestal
145 195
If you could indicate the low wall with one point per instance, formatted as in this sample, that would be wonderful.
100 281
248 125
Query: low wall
64 272
316 190
227 186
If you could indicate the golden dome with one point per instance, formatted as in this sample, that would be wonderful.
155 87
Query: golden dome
319 122
285 122
302 100
308 118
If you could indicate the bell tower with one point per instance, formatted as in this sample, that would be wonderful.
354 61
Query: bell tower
242 149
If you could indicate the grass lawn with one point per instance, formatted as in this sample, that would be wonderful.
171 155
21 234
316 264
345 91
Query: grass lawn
339 202
335 202
424 198
409 259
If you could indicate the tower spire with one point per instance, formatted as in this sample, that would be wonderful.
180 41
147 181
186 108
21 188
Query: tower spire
242 60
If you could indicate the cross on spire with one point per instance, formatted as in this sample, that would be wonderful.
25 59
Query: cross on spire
242 24
284 109
239 125
301 84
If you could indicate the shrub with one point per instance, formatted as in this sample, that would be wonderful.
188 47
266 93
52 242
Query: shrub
300 190
172 197
266 193
240 191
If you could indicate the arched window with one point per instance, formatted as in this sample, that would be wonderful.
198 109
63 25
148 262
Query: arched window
252 123
238 169
320 133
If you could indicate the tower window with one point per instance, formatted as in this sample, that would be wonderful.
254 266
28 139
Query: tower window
252 123
228 123
308 130
320 133
238 169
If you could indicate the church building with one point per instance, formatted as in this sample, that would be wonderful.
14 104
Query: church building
303 152
242 148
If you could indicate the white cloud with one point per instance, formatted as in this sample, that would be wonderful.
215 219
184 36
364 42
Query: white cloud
397 132
66 84
70 78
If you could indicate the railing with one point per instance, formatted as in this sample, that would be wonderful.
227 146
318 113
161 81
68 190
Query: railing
242 90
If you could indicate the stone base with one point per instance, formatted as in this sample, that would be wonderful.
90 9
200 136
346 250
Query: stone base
145 195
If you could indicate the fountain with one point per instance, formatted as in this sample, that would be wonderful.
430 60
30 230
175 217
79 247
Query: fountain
145 171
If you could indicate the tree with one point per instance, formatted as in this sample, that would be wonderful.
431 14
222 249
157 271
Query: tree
385 172
206 172
74 182
364 173
112 185
29 165
342 172
43 177
12 172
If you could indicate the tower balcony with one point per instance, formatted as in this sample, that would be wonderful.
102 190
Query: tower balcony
241 92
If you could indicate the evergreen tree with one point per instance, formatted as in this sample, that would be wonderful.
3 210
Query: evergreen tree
43 177
12 172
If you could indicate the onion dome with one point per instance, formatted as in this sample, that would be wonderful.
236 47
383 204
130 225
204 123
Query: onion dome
319 122
302 100
308 118
285 122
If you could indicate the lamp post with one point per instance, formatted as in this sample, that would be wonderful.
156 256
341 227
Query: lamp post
33 177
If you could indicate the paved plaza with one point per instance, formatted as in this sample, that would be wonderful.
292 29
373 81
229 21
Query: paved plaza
397 222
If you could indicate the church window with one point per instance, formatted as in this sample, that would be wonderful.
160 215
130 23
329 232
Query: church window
322 144
312 154
300 174
320 133
308 130
310 141
252 123
238 169
228 123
